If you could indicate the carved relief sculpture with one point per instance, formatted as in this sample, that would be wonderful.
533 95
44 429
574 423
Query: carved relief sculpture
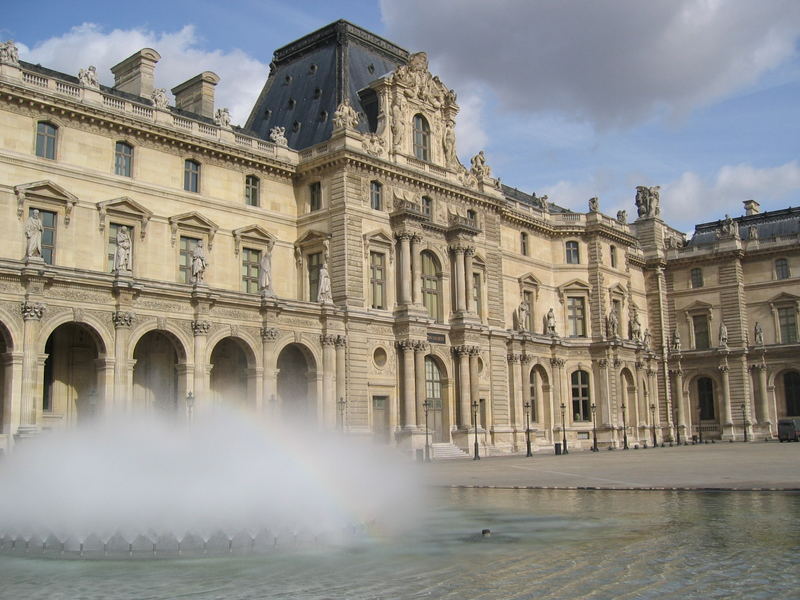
88 77
9 54
122 255
345 116
33 236
199 263
324 296
373 144
277 136
159 97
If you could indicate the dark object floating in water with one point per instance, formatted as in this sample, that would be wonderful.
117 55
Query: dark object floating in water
486 532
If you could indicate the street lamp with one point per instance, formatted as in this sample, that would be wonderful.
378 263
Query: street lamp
190 406
563 429
528 427
475 425
624 429
744 419
594 428
427 405
342 404
653 423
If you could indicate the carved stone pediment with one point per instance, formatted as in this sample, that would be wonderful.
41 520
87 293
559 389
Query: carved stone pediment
378 239
45 192
417 83
573 286
125 208
310 241
784 297
253 234
193 221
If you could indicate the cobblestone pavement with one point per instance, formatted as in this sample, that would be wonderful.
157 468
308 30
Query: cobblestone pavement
757 465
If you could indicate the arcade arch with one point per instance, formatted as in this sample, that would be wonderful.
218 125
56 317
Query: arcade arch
298 397
157 388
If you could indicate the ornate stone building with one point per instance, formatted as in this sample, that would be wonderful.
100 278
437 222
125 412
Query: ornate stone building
332 263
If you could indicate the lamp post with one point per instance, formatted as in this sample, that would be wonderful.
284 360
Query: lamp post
653 423
527 406
342 404
475 425
744 419
190 407
594 428
563 429
427 405
624 429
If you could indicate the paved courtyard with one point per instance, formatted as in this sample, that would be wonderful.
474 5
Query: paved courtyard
757 465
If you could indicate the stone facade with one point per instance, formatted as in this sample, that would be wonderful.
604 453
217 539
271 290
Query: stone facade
368 281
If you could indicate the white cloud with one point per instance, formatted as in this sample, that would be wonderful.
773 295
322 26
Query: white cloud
242 76
609 61
470 134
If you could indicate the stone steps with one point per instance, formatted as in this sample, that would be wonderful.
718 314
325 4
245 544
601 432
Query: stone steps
446 451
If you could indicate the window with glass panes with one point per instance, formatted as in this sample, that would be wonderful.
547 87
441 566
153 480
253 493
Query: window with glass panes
532 382
791 389
376 195
123 159
251 263
187 246
573 253
314 263
476 293
113 229
252 190
427 206
701 338
422 138
613 255
705 398
523 243
787 319
697 278
315 196
580 396
46 137
191 176
431 286
782 269
377 279
48 220
576 316
433 384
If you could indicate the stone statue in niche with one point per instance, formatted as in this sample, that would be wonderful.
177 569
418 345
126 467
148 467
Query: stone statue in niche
33 236
88 77
723 335
265 273
122 255
647 339
398 126
199 263
9 54
277 135
550 323
594 205
345 116
612 324
676 341
622 216
479 167
759 335
159 97
223 118
449 143
635 326
523 313
324 296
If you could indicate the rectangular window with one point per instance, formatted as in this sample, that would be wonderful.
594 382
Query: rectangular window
191 176
46 135
185 265
251 261
697 278
476 293
613 253
576 317
377 279
782 269
701 339
314 265
48 220
251 190
123 159
523 243
315 196
580 396
376 195
427 206
616 306
573 253
113 230
787 318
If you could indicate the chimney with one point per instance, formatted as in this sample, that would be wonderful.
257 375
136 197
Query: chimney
751 207
197 94
134 75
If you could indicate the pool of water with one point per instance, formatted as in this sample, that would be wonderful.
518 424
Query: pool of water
544 544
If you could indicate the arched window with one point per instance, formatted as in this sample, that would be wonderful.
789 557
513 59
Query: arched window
705 398
123 159
532 382
432 286
191 175
252 190
46 137
422 138
782 269
573 253
376 195
791 389
580 396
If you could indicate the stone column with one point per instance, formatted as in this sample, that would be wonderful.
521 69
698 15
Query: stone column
341 375
11 362
469 252
329 414
525 382
105 371
726 416
420 349
416 271
516 380
474 381
602 408
122 333
464 416
680 409
557 365
200 330
409 402
32 313
269 392
405 269
763 397
458 261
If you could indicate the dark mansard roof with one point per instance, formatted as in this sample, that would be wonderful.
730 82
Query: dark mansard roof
512 193
766 225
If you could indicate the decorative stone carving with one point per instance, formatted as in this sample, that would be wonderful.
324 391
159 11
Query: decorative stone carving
327 339
480 170
421 346
603 363
759 335
612 324
594 205
122 318
635 326
723 335
341 341
417 83
9 54
199 263
723 368
33 236
752 233
122 255
676 341
647 201
449 143
223 118
550 323
557 362
405 344
647 339
622 216
729 228
373 144
467 179
265 272
511 357
277 135
32 310
523 313
269 334
324 295
345 116
88 77
200 327
398 124
159 97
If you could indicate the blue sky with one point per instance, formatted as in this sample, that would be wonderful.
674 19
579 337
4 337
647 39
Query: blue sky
571 98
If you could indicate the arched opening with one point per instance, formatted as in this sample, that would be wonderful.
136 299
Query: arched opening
705 408
788 389
422 138
71 391
541 407
627 398
5 380
229 374
297 390
435 396
155 374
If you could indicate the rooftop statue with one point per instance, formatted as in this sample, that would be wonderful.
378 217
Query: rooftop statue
9 54
159 97
223 118
647 201
345 116
277 136
88 77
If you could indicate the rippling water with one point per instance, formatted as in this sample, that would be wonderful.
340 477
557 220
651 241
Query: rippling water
544 544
